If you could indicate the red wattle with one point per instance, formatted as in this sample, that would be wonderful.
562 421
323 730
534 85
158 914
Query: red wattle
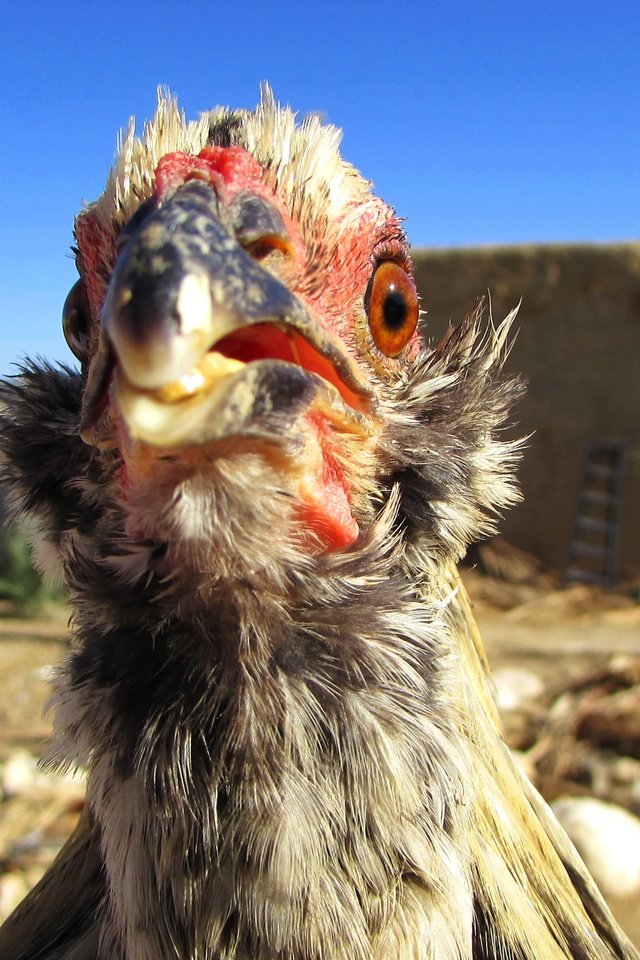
326 502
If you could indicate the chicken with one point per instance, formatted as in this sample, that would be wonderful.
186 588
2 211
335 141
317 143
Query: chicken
256 489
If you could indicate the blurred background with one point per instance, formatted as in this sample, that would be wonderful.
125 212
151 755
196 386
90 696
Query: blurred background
508 136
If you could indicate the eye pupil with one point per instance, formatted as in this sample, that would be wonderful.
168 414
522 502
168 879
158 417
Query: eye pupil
392 308
395 310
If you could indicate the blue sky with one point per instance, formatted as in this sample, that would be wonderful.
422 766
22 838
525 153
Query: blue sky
480 122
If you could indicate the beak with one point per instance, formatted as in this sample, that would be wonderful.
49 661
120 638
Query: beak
199 342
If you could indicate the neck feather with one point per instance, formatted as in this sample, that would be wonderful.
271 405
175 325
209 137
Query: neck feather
271 769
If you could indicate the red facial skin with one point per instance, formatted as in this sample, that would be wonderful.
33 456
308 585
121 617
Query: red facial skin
332 285
227 169
326 506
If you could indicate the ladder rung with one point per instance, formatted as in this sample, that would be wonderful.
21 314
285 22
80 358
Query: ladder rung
592 523
588 550
605 471
597 497
586 576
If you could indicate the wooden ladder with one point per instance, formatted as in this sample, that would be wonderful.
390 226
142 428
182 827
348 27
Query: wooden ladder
593 550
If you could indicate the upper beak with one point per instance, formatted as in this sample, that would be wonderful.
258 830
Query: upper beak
199 341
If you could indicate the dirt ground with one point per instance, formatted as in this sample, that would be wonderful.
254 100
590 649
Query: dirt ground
559 634
556 634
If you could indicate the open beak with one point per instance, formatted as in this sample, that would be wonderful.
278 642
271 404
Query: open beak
199 342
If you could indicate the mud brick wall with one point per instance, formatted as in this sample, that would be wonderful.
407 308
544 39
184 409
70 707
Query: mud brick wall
578 345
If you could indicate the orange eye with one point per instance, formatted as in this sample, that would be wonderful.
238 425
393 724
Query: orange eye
392 308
